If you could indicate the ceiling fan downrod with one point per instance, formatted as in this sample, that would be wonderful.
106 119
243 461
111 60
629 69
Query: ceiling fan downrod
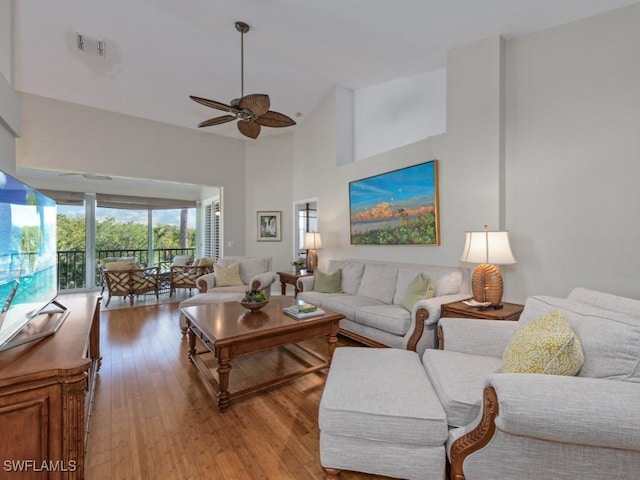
242 28
251 111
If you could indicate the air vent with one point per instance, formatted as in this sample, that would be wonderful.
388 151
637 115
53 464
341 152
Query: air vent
91 46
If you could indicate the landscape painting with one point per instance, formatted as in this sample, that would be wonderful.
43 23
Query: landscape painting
396 208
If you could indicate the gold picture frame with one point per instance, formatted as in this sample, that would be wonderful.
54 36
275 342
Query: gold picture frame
396 208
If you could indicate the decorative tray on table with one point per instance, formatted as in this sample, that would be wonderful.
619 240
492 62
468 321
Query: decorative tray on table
475 304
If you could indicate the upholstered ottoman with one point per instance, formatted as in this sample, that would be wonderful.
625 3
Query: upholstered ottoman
378 414
205 299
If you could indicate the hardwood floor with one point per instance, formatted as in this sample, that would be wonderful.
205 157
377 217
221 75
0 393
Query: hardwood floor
145 299
153 418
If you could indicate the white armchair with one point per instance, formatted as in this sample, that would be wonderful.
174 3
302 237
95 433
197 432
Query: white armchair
529 426
255 274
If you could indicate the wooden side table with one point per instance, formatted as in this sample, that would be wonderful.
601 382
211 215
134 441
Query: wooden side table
291 278
509 311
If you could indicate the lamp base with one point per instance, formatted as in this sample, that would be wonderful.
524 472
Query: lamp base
486 284
312 260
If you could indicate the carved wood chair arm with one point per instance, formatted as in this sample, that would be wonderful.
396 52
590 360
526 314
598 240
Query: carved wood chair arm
476 438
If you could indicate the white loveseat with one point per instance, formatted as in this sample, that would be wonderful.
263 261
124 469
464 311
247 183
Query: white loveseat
371 299
255 273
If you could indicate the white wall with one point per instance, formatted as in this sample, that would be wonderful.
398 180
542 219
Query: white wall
315 171
542 140
6 39
473 109
269 179
573 156
69 137
7 147
399 112
298 165
295 166
9 104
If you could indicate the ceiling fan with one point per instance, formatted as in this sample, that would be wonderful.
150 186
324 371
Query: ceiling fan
251 111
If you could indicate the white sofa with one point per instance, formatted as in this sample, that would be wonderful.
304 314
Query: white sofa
255 273
371 300
489 424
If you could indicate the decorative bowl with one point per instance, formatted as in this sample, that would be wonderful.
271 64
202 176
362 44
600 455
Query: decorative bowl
254 306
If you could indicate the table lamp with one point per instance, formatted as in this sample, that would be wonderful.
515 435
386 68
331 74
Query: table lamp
488 249
312 242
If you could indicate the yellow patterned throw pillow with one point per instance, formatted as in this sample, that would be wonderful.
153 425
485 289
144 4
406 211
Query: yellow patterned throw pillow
544 345
227 276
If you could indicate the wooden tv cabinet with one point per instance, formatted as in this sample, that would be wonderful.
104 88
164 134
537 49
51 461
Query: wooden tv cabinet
46 391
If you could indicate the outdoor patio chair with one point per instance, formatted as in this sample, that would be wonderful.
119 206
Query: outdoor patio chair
185 276
127 280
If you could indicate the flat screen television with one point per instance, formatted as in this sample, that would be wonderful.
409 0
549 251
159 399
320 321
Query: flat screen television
28 259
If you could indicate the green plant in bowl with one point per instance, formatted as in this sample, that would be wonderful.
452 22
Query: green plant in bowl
254 296
254 300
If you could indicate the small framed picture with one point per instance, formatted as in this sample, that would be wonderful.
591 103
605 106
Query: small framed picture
269 225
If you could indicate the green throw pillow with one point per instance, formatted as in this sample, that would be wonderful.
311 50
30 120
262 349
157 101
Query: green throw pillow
420 288
326 282
227 276
544 345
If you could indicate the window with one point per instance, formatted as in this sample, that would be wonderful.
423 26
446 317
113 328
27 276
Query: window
174 233
96 226
306 221
128 226
211 229
122 233
72 240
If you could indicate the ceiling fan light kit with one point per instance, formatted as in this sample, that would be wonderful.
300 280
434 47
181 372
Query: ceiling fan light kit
251 111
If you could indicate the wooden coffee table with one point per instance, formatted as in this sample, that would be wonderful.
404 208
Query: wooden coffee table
228 331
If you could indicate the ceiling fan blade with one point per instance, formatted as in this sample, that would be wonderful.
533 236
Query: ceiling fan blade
257 103
249 129
274 119
213 104
217 121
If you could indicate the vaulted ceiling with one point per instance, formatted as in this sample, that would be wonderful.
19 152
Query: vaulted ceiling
158 52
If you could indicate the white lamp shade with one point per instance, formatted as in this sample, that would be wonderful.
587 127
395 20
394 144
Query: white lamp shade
312 241
487 247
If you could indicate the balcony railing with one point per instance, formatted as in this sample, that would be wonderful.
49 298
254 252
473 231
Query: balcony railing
71 263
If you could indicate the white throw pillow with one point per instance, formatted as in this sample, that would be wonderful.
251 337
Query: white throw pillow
351 276
379 282
250 267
